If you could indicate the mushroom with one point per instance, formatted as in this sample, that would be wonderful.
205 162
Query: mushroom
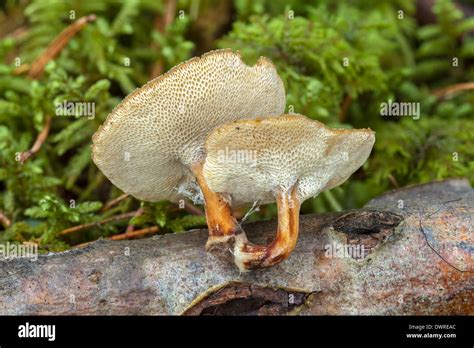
288 158
152 144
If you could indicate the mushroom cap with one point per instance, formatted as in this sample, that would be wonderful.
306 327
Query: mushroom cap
149 141
252 159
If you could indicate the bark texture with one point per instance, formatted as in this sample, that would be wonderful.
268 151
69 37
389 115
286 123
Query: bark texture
417 258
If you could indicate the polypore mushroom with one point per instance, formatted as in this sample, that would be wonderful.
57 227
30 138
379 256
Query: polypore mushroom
288 159
152 144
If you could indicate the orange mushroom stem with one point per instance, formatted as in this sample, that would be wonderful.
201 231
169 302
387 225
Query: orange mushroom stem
250 256
221 222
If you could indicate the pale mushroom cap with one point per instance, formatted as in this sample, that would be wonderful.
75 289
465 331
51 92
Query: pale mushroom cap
149 141
252 159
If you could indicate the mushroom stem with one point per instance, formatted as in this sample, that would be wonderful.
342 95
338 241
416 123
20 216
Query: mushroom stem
249 256
221 222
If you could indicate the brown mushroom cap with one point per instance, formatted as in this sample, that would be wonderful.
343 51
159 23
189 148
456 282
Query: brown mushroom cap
252 159
149 141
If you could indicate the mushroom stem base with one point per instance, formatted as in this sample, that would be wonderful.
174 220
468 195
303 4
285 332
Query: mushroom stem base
249 256
219 216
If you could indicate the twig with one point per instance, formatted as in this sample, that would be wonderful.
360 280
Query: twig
5 220
168 18
119 217
344 108
446 91
122 236
115 201
130 228
57 45
134 234
393 181
191 209
40 139
161 22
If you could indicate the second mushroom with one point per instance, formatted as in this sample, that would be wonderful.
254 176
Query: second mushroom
286 159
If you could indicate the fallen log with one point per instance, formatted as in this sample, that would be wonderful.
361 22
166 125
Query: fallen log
409 251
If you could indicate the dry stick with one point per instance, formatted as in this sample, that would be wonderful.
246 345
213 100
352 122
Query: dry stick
133 234
190 208
446 91
40 139
345 107
57 45
170 9
115 201
130 235
5 220
393 181
161 23
130 228
119 217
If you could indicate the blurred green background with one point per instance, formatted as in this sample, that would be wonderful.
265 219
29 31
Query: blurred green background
405 51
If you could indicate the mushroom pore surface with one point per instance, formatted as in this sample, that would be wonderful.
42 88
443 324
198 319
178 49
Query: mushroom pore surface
155 134
252 159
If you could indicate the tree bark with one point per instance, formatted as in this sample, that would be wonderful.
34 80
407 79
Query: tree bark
409 251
